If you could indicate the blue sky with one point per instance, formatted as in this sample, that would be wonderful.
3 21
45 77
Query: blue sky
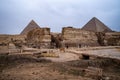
16 14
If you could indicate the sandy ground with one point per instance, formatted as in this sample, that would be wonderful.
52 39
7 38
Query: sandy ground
38 71
29 67
64 56
107 52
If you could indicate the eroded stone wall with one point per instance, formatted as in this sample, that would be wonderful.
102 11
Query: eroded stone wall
17 40
75 37
39 37
12 38
112 39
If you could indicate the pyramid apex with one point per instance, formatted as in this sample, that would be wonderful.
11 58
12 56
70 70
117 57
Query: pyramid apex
96 25
32 25
32 20
94 18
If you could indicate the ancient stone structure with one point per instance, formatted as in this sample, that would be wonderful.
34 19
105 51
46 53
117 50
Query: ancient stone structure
112 38
74 37
96 25
29 27
12 38
56 40
17 40
39 38
94 33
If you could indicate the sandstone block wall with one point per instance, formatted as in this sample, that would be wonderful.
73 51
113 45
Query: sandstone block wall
112 38
77 37
39 37
12 38
17 40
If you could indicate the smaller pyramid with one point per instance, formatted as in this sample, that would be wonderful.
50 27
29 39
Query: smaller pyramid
96 25
32 25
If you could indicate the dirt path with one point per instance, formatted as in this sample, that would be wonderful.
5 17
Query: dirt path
64 56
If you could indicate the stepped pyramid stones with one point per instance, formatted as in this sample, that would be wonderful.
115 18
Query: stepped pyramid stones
96 25
32 25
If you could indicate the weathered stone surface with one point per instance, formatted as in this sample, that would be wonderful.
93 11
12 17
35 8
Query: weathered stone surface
96 25
77 38
94 33
39 37
101 38
56 40
12 38
11 46
112 38
29 27
17 40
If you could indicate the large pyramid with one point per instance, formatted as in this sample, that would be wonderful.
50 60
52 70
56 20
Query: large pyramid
29 27
96 25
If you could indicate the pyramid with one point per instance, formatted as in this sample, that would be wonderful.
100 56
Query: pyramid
29 27
96 25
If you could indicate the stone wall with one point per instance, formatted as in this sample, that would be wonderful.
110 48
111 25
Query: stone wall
17 40
75 37
70 37
39 38
4 39
112 39
12 38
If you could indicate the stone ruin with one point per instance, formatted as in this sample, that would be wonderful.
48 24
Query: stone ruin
17 40
73 37
95 25
94 33
112 38
39 38
29 27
